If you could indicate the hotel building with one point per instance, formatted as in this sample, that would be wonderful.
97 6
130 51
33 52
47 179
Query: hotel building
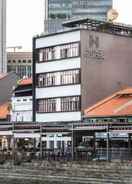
74 69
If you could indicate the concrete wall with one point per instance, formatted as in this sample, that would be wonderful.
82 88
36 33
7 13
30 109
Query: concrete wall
21 109
106 62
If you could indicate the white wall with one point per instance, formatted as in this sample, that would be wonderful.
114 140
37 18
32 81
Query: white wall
58 39
21 116
60 91
63 116
21 110
64 64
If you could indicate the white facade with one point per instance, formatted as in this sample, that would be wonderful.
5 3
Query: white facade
21 109
57 65
64 64
3 60
57 82
58 39
71 90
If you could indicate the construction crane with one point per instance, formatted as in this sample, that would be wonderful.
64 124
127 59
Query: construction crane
14 48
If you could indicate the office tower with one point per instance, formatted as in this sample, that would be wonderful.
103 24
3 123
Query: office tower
57 11
3 64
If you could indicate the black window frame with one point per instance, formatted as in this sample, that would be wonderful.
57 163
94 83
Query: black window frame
65 105
67 77
52 49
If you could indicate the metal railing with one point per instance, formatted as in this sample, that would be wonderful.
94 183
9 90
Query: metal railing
100 154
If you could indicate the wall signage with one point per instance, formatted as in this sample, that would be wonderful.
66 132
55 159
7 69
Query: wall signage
93 50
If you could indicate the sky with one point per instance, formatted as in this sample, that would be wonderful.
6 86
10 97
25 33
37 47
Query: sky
25 19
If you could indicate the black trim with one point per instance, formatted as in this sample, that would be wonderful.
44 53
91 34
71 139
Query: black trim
62 44
60 59
69 43
56 112
34 80
23 94
23 111
69 84
73 84
56 33
60 98
55 71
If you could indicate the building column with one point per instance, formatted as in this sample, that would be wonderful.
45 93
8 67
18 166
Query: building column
73 143
129 146
108 144
41 146
94 143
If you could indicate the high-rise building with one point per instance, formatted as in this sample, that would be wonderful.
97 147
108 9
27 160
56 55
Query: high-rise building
57 11
3 63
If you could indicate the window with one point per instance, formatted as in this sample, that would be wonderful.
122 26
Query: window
58 144
69 50
46 54
58 78
46 80
18 100
40 106
59 52
29 71
70 77
63 104
51 144
70 104
9 61
47 105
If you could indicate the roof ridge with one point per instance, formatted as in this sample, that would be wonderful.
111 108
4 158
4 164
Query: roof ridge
101 102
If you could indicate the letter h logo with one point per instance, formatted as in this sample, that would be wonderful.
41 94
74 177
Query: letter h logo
93 41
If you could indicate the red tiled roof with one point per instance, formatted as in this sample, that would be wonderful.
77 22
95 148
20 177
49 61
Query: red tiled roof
25 81
119 104
4 110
